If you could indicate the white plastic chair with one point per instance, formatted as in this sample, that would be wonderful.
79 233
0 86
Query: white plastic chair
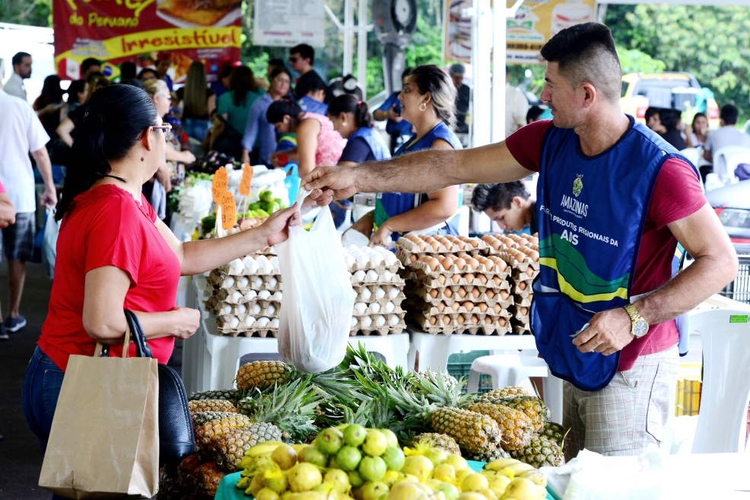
722 421
693 155
726 159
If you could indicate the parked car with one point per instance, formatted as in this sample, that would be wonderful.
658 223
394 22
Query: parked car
671 90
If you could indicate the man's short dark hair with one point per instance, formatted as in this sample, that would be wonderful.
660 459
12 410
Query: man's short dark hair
88 63
497 196
18 58
729 114
309 82
128 70
533 113
305 51
586 53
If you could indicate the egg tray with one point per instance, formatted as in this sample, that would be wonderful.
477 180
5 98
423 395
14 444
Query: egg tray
256 308
463 292
377 268
494 265
392 322
436 296
244 270
497 282
256 282
368 293
527 274
379 307
499 326
417 243
391 330
243 296
523 299
384 276
521 312
496 242
520 328
224 327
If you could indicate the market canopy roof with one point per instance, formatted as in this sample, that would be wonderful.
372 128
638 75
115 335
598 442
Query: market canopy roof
697 3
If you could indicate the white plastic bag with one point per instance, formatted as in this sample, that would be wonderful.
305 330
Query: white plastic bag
316 312
49 242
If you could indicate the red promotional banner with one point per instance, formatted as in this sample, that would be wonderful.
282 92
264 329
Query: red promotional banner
136 30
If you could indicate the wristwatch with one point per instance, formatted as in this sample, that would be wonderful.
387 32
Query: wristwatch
638 325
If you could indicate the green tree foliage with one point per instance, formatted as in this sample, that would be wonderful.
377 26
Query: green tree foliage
30 13
709 42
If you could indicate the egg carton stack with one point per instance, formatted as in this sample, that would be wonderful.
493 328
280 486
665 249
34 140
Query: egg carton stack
246 296
380 291
522 253
452 288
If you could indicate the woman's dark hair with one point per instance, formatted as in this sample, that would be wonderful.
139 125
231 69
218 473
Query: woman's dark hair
278 109
276 72
51 91
432 79
698 115
242 82
348 103
145 71
76 87
115 118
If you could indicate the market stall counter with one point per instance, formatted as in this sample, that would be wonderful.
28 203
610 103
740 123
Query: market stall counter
210 360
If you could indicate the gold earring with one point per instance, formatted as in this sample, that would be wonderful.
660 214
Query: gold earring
422 107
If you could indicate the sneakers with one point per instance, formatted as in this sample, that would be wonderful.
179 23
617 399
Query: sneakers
3 333
14 324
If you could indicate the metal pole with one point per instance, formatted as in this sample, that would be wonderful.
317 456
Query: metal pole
362 29
348 37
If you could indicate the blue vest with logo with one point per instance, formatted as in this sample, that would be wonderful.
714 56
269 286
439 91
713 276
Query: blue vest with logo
591 212
372 138
391 204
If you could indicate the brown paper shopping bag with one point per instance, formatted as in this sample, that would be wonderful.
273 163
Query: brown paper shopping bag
104 440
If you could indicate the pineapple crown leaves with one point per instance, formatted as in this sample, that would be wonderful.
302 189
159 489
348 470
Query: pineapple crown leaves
441 388
292 407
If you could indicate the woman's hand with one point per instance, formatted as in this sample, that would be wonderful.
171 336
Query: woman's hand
382 237
276 228
186 322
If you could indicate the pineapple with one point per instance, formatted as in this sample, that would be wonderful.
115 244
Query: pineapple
540 452
291 407
517 427
435 440
474 432
203 417
200 405
207 478
507 392
532 406
231 446
215 428
554 431
489 456
261 374
231 395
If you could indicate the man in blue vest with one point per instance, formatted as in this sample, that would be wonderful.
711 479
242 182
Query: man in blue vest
613 201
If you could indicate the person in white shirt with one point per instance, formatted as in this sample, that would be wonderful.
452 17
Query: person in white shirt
727 135
21 71
21 133
516 106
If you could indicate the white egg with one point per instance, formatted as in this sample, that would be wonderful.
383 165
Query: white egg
393 320
349 259
362 261
249 320
354 321
226 309
262 261
390 259
264 295
386 276
379 293
234 322
235 297
251 265
228 282
271 310
274 262
250 295
241 309
275 323
365 294
242 282
272 282
255 309
257 282
393 293
389 307
236 267
278 296
374 308
359 276
372 276
376 259
266 267
360 308
379 321
366 322
263 322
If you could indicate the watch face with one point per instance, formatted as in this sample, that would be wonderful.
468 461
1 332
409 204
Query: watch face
640 328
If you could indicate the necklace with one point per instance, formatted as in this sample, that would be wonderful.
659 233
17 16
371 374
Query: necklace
115 177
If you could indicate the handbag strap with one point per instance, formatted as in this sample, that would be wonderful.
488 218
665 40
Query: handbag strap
102 351
142 348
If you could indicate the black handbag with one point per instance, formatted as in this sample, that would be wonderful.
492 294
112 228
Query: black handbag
176 438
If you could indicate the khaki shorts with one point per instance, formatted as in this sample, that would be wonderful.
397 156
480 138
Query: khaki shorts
629 414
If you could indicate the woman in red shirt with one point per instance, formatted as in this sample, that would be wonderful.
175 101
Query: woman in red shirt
113 253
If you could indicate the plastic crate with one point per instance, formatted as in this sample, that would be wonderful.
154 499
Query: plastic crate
459 365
